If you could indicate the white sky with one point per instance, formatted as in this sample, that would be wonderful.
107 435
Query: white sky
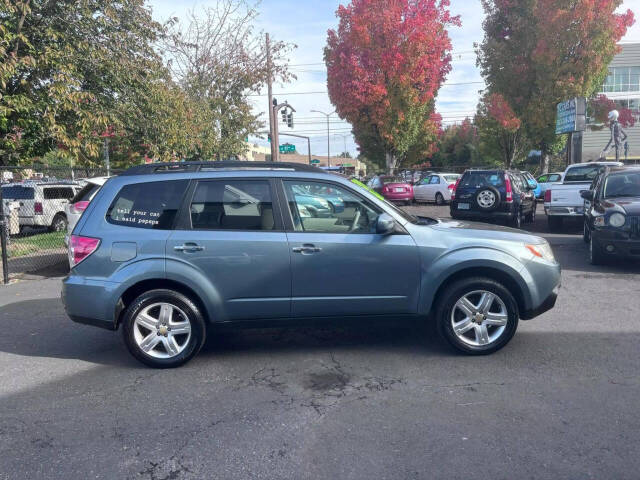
306 22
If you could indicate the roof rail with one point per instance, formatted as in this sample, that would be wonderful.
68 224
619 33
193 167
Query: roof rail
181 167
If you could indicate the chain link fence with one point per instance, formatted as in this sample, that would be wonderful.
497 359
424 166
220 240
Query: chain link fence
37 206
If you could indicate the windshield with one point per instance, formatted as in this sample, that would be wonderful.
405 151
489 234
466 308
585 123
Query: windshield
481 179
451 178
582 174
399 211
622 185
17 192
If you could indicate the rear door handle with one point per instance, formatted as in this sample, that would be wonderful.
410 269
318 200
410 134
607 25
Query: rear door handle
189 248
306 249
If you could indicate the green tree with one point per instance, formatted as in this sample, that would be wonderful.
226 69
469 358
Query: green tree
537 53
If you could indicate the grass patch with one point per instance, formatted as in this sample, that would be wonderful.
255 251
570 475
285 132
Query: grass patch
21 246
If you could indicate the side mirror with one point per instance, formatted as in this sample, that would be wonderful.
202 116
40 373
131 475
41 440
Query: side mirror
385 224
587 194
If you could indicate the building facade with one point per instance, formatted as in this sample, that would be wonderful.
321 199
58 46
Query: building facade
622 85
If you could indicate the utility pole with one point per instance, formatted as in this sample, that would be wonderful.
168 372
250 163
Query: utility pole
328 134
344 137
272 121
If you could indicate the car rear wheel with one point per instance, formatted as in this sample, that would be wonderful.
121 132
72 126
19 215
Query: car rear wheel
163 328
439 199
531 217
516 221
477 316
59 223
586 234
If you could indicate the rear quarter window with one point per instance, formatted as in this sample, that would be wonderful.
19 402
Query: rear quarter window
151 205
58 193
18 193
86 193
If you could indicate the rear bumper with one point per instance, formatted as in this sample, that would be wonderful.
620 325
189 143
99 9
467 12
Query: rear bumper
398 197
576 212
90 301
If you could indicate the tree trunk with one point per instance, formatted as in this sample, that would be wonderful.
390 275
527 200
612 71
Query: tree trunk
544 161
391 163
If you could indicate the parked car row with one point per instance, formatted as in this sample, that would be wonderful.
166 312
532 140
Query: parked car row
435 187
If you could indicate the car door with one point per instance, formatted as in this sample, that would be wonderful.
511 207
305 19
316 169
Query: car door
340 265
230 232
434 187
525 192
420 190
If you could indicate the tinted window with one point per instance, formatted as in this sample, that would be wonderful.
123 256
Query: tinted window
58 193
582 174
232 205
482 179
150 205
17 192
86 193
327 208
451 178
519 182
435 180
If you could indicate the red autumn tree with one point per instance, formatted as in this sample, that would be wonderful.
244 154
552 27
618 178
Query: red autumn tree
385 64
600 106
499 129
538 53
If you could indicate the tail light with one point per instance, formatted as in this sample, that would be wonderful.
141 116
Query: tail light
454 187
547 195
79 207
80 248
37 208
507 184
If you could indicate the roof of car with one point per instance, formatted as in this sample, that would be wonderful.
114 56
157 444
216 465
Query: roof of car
626 168
183 167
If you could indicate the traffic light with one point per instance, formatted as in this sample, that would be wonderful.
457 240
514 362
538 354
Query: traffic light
284 116
290 120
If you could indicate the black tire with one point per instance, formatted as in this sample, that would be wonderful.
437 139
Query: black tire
596 257
555 223
494 205
59 223
183 303
516 221
586 234
439 199
445 311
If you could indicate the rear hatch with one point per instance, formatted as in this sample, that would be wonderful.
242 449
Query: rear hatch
474 181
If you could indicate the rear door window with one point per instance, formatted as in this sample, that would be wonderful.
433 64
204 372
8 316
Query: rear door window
232 205
86 193
58 193
435 180
151 205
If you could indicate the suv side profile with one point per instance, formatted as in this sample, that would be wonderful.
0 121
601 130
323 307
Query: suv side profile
494 194
165 251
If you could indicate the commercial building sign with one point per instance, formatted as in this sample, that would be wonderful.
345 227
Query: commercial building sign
571 116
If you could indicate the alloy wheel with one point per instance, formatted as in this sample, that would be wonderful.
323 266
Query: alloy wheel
479 318
162 330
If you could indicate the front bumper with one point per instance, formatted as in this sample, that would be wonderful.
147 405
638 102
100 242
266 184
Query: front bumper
545 306
616 243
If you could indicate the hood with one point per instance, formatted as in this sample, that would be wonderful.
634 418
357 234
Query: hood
486 231
626 205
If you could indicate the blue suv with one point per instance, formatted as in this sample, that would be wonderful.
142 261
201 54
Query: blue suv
164 251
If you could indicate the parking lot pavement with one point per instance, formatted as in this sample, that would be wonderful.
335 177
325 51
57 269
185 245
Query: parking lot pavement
366 401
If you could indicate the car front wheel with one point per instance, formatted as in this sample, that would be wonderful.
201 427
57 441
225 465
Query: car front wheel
477 316
163 328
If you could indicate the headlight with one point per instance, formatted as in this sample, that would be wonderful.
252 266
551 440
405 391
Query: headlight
542 250
617 220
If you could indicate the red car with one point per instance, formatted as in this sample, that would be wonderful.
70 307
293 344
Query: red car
392 188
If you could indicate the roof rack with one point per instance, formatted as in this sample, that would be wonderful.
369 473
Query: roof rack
181 167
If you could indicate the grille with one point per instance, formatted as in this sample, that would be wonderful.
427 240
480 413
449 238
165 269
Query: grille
634 222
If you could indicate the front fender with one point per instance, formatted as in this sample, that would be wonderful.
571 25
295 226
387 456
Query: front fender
455 262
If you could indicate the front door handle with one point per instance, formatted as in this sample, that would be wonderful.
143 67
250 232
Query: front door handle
306 249
189 248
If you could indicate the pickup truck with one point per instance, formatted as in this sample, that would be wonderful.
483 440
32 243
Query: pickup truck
563 200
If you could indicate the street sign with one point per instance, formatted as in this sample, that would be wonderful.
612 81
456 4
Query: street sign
315 161
571 116
287 148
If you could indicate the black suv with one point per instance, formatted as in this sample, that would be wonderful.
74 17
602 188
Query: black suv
493 194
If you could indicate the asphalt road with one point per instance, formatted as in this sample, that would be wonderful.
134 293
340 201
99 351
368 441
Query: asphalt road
561 401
